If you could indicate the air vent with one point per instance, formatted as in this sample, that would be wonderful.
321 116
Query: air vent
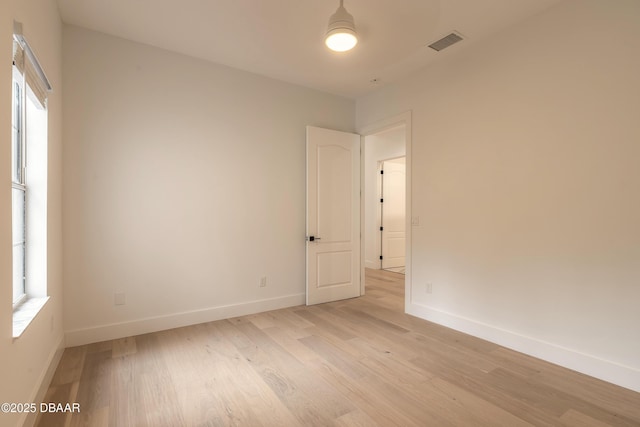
446 41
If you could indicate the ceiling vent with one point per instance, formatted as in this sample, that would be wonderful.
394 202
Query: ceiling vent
446 41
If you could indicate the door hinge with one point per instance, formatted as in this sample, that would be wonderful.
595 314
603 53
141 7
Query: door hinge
381 172
381 200
380 256
381 228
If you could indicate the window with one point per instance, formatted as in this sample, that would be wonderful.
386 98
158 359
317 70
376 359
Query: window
29 92
18 189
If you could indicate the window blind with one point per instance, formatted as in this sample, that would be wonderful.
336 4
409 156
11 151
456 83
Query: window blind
25 60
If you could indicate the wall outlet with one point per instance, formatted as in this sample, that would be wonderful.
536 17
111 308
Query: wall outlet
428 287
119 298
415 221
263 281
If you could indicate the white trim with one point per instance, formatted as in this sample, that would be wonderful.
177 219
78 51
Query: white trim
375 265
24 312
386 124
177 320
605 370
38 395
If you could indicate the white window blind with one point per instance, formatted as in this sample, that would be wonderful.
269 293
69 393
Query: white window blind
27 63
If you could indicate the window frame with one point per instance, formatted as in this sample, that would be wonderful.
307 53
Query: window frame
18 177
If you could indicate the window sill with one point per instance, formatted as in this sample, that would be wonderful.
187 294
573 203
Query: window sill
25 312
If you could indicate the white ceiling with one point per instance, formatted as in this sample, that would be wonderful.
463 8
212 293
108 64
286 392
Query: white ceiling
283 39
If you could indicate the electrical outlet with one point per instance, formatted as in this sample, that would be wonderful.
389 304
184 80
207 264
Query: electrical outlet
428 287
263 281
119 298
415 221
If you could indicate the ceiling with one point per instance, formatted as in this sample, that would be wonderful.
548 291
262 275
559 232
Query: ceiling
283 39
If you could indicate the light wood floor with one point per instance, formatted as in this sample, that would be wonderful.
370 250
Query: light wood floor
360 362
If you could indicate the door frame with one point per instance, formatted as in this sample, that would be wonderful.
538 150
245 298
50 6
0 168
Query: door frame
372 129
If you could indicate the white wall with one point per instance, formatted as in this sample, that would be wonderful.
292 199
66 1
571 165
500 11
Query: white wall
27 363
378 147
526 181
184 184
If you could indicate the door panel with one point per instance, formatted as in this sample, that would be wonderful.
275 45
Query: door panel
334 268
393 213
333 215
334 197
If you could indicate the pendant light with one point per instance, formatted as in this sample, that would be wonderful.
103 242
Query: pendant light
341 33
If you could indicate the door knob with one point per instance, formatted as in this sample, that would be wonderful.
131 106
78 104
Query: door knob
313 238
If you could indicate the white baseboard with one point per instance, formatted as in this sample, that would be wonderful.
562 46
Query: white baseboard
46 376
176 320
372 264
605 370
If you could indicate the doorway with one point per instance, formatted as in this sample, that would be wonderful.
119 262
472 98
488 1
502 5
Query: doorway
386 235
333 168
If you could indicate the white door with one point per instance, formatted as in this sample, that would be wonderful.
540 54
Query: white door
333 215
393 213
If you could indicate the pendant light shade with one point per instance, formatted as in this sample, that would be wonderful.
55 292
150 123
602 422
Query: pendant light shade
341 33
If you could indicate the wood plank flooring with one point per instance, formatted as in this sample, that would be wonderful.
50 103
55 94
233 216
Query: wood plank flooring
360 362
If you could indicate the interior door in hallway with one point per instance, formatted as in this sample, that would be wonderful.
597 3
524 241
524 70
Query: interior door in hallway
393 213
333 215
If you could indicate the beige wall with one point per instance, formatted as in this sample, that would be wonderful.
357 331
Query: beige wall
526 182
24 362
184 185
